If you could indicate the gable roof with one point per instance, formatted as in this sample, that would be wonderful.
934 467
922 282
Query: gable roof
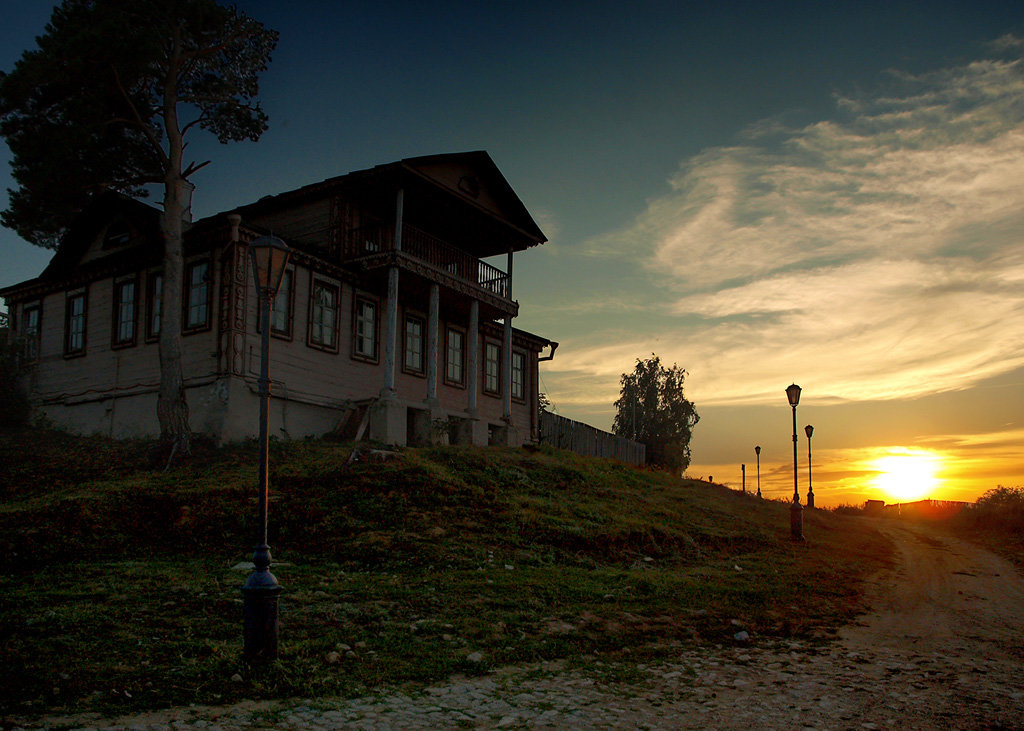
489 192
143 219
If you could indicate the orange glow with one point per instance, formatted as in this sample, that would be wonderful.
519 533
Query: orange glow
907 475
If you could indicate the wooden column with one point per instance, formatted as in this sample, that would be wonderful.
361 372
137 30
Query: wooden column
391 322
391 333
473 361
433 323
399 208
506 356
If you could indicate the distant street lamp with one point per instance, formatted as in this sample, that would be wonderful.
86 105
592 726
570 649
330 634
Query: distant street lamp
743 468
808 430
757 451
796 511
269 257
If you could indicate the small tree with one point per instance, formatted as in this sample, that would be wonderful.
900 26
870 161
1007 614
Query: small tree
105 103
653 410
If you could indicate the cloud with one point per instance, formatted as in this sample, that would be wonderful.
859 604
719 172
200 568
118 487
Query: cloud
875 255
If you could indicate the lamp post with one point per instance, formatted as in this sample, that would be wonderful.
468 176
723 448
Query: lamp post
757 451
743 468
808 430
269 257
796 511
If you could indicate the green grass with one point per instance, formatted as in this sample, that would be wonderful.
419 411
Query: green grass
117 591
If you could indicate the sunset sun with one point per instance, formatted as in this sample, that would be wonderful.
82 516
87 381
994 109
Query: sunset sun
907 476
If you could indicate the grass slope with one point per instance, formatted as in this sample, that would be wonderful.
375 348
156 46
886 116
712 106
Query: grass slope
117 591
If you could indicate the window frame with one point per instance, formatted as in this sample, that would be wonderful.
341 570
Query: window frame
521 397
154 305
412 369
83 295
289 314
315 283
357 300
491 346
186 297
32 339
116 342
448 332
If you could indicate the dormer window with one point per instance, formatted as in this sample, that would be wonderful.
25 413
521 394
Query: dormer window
118 234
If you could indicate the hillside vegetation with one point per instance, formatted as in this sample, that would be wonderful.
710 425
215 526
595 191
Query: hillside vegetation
118 590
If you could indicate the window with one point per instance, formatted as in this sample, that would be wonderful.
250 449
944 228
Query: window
197 295
492 368
323 315
365 331
518 376
154 295
281 309
124 313
74 324
413 360
31 320
454 357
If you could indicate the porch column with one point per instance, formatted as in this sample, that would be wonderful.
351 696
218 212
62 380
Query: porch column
433 317
473 361
388 416
390 334
391 321
506 371
506 356
399 207
473 430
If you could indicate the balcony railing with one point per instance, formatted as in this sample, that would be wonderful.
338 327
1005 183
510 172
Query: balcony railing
370 240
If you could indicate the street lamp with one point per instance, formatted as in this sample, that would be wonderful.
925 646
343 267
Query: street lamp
808 430
269 257
757 451
796 511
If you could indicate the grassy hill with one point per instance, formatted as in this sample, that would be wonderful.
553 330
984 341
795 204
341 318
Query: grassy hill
118 592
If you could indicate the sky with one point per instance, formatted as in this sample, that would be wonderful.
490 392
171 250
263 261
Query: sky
763 193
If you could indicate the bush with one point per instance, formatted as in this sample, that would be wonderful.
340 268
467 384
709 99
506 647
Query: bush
14 406
1001 508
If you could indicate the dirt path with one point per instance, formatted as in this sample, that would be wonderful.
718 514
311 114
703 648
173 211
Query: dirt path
943 649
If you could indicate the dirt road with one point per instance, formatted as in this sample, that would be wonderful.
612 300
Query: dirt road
942 649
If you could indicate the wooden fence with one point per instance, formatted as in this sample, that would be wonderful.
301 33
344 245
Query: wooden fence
588 441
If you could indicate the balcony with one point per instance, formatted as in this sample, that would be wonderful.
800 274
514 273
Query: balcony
373 243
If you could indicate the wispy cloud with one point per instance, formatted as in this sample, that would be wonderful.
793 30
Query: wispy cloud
874 255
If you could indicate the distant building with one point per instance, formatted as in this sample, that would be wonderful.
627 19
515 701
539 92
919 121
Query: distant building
389 323
874 507
926 509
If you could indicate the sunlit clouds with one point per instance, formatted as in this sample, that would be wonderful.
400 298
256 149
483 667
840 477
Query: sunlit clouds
875 255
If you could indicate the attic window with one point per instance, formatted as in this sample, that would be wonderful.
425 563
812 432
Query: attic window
469 185
118 234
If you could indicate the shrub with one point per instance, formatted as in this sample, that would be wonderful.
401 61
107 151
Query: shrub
14 406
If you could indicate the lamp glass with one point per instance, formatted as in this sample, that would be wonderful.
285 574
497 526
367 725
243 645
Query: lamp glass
793 394
269 257
808 430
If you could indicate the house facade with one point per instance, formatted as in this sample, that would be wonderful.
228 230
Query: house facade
394 319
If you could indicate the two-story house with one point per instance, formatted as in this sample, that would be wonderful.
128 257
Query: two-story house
390 323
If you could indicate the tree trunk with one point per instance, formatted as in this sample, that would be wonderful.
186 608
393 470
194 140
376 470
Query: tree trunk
172 409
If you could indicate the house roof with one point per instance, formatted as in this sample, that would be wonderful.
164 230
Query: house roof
67 263
483 188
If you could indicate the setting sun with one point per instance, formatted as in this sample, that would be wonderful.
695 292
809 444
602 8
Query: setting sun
907 475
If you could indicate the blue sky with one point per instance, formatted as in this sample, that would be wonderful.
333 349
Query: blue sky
826 193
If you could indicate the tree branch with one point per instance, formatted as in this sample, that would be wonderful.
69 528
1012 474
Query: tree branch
192 167
138 121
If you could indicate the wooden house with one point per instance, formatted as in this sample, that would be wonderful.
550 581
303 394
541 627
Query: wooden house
391 323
